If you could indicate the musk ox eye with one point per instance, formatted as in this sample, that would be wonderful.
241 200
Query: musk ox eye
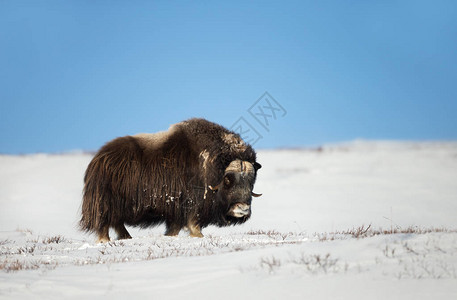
227 181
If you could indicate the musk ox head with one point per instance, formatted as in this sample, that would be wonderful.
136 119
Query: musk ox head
235 190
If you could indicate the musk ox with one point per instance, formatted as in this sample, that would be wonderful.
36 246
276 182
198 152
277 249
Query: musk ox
195 174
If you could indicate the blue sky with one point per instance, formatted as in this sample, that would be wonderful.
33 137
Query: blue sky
75 74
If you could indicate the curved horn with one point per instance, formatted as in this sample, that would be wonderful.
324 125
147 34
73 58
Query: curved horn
215 188
255 195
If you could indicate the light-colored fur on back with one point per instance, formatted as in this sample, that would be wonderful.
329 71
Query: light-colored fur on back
154 141
235 142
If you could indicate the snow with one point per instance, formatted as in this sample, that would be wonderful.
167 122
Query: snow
315 233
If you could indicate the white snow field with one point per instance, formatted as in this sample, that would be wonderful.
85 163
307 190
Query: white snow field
361 220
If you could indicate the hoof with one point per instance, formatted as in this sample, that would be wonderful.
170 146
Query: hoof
102 240
196 235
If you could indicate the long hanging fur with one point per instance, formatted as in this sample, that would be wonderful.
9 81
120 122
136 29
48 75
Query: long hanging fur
149 179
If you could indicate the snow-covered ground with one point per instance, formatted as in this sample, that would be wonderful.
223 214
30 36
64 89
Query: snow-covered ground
321 230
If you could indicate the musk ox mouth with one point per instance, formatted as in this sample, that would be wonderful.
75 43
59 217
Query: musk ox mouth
239 210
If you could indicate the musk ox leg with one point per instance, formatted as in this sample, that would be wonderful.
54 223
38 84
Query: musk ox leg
195 230
172 229
122 233
103 234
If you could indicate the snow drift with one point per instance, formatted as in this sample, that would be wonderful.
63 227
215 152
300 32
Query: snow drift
360 220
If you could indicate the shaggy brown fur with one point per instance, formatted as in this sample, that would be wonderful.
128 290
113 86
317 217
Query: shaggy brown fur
180 177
